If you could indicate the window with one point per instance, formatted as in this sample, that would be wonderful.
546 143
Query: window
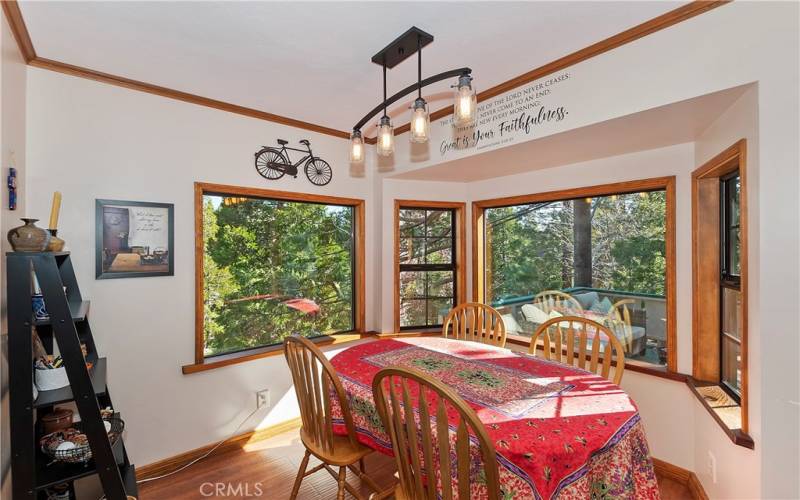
730 286
719 289
603 252
275 264
427 261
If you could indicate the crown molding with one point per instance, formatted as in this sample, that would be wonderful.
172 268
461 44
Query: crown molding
19 30
675 16
69 69
659 23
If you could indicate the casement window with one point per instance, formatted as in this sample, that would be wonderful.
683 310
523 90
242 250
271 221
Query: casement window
719 290
602 252
271 264
429 272
730 285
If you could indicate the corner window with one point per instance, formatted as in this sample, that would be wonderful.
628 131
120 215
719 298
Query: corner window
603 252
719 289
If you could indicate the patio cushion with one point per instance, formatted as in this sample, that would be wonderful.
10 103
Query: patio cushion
511 324
536 315
602 306
587 299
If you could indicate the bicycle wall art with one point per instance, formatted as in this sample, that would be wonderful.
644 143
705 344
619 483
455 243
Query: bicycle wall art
273 163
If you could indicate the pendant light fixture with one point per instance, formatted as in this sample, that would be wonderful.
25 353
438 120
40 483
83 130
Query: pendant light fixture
465 107
385 130
420 120
356 147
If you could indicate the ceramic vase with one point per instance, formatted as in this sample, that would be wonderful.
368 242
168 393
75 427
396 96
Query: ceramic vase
56 244
29 238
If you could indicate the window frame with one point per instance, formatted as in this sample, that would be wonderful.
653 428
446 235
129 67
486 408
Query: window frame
708 279
202 362
666 184
458 253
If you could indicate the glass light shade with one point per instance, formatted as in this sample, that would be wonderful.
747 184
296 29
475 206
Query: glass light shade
385 145
420 121
356 147
465 107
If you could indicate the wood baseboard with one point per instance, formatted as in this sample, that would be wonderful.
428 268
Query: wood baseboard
681 475
170 464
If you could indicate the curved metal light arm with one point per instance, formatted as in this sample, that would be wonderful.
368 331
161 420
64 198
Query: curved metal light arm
411 88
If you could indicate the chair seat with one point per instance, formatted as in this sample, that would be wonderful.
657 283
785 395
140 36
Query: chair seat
344 452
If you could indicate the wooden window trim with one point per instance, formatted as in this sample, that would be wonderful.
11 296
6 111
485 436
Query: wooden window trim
657 183
461 248
705 272
200 188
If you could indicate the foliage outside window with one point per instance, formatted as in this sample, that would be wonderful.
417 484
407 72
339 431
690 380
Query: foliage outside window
607 252
427 266
273 268
730 286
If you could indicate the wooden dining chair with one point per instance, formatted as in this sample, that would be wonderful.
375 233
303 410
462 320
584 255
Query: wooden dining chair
555 300
314 377
619 320
477 322
568 345
417 438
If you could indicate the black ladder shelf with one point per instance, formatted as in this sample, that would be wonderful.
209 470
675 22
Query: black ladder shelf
32 471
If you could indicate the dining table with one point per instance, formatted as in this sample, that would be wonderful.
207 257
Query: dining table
558 431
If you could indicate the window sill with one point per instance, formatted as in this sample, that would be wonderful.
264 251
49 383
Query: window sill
265 352
727 416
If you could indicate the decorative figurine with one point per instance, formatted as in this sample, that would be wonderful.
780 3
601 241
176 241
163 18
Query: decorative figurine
12 188
272 163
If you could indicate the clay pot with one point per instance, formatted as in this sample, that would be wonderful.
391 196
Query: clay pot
29 238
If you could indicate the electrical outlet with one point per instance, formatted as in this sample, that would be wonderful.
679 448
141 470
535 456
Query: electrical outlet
262 398
712 467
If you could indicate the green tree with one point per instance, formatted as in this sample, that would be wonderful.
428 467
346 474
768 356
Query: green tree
274 252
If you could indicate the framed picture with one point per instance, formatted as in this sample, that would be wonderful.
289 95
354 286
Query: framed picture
133 239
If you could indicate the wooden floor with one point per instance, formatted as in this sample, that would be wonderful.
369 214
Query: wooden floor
267 469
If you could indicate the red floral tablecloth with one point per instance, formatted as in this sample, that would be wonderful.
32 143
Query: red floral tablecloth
559 432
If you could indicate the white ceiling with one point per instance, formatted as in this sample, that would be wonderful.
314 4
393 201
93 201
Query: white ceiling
311 61
675 123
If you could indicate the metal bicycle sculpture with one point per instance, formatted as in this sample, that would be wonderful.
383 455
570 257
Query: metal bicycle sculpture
273 163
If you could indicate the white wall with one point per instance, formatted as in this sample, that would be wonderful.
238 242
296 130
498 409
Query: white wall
90 140
12 139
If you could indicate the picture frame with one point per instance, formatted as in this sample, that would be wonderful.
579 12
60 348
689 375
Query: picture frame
134 239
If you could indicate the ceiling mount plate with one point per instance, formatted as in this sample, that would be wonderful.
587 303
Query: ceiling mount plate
402 48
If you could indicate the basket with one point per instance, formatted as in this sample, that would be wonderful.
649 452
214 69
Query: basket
82 452
48 379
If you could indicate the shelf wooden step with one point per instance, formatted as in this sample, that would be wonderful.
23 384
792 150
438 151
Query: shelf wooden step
78 311
50 474
56 396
